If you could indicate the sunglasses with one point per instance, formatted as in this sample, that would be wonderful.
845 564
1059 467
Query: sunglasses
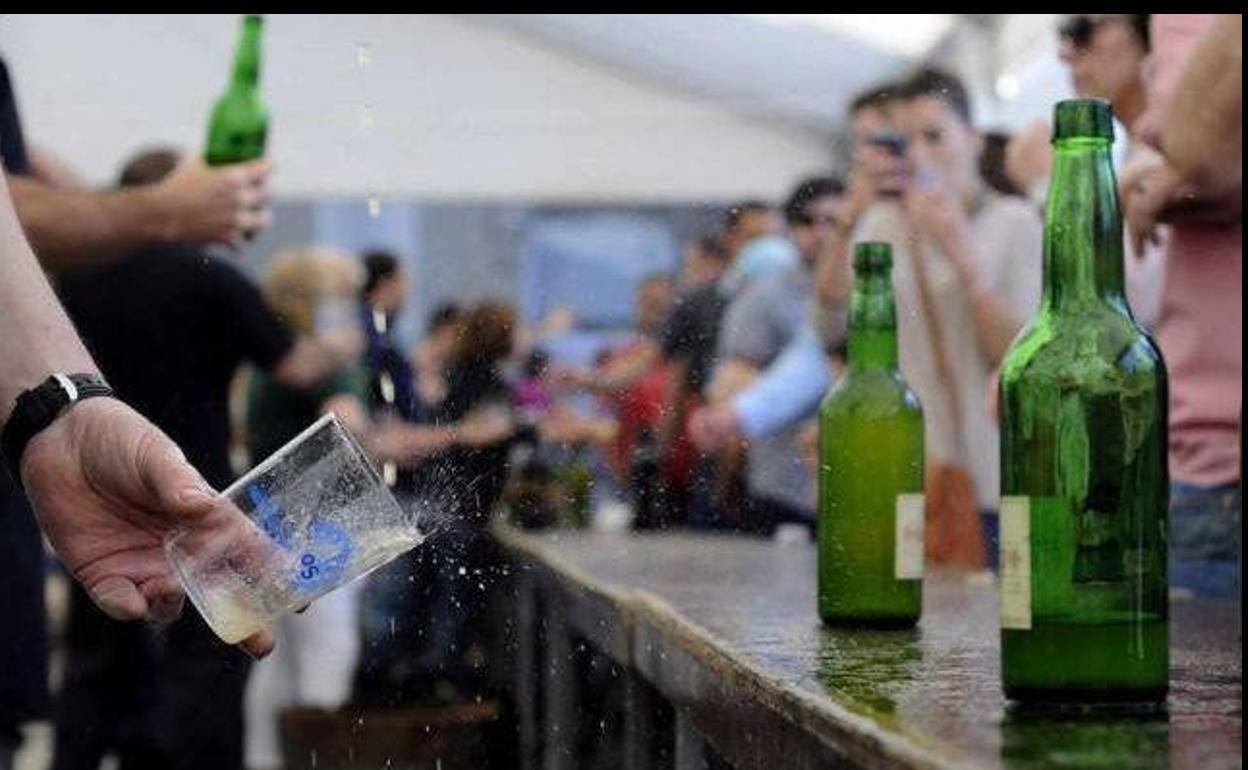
806 220
1080 28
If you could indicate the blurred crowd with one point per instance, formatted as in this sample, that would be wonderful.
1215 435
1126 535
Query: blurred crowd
703 417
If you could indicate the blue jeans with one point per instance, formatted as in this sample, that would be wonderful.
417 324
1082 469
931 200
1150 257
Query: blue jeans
1205 554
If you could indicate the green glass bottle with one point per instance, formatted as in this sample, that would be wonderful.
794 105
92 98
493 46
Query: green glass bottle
871 467
1083 456
240 118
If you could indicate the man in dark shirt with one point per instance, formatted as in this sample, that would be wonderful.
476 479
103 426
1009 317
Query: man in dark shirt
169 326
691 336
391 381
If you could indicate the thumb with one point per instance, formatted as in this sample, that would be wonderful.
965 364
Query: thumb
118 597
173 484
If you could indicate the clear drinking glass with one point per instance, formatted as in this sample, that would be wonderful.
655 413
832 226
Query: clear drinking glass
318 516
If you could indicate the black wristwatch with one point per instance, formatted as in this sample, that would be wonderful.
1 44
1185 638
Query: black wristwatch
36 408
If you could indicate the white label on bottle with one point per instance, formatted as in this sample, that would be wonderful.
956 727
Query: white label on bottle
908 540
1016 563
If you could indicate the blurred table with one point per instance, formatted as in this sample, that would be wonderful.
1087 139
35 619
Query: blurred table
723 662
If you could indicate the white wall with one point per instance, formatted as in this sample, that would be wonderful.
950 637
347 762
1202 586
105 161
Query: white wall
461 109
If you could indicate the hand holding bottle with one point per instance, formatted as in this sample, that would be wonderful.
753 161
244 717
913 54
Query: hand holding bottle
223 204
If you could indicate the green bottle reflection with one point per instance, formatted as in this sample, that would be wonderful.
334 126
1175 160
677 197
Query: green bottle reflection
1083 456
871 467
240 118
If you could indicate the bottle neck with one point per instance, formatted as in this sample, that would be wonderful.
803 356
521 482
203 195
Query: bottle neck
872 325
247 56
1083 262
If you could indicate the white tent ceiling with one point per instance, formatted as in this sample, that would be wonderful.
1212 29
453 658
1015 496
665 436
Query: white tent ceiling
799 68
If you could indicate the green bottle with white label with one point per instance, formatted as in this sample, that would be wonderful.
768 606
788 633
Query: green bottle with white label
871 467
239 126
1083 456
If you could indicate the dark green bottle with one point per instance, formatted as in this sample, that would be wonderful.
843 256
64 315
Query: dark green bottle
240 118
1083 456
871 467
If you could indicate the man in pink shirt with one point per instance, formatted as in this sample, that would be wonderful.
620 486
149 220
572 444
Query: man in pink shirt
1193 119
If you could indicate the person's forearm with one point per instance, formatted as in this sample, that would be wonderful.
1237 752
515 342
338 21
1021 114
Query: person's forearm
482 428
71 228
36 337
787 391
1202 133
307 364
996 325
621 375
833 276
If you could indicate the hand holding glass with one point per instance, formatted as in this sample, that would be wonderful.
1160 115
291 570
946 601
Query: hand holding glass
318 517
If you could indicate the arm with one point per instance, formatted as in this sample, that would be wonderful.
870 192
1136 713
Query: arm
106 485
308 363
787 390
36 337
617 375
732 376
935 214
72 227
1202 129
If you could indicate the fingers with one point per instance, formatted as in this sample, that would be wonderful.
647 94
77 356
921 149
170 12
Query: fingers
172 482
118 598
164 599
258 645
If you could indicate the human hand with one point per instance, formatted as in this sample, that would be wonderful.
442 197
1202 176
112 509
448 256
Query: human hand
564 380
1148 185
932 212
405 444
712 427
1029 156
808 446
225 204
108 487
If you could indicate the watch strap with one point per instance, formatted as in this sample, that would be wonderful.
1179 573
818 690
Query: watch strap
36 409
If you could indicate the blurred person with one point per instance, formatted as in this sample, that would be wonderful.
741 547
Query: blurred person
690 336
461 471
992 163
703 261
1194 119
761 322
169 325
71 226
632 380
315 292
968 265
1108 56
431 354
797 379
391 379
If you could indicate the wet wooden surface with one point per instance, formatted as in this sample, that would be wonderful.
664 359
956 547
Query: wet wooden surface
725 628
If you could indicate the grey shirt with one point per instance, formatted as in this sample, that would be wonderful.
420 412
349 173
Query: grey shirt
759 324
